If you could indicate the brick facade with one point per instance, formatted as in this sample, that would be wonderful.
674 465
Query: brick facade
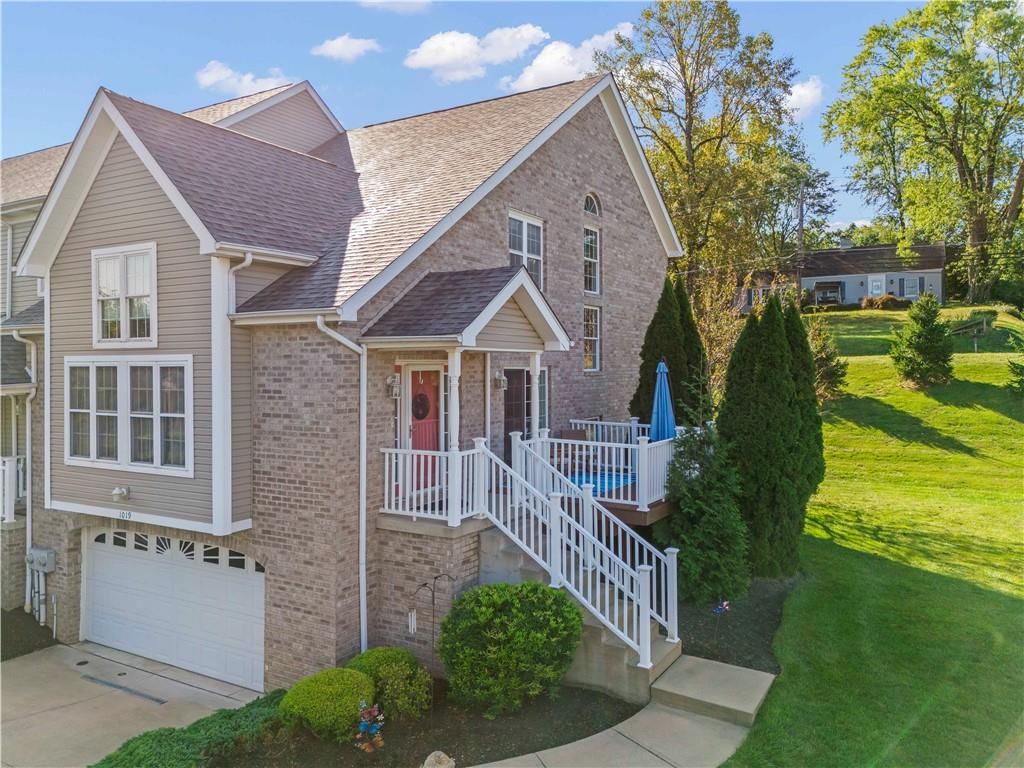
305 418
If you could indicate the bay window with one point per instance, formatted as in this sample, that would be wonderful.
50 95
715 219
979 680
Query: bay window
124 296
132 413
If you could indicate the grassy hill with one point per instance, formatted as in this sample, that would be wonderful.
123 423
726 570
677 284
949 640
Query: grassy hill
905 644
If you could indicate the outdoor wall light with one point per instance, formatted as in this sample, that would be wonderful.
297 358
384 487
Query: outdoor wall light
121 493
395 386
500 381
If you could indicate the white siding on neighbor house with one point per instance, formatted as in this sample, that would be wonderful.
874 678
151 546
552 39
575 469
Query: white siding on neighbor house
297 123
124 206
509 329
856 286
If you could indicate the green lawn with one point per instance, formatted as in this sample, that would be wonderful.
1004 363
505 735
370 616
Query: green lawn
905 645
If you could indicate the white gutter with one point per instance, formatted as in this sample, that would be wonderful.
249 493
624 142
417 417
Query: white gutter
232 301
359 349
28 463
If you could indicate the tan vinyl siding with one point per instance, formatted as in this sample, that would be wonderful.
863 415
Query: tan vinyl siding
297 123
241 424
509 329
125 205
25 289
253 279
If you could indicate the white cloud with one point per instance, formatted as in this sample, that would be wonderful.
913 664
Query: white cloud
346 48
559 62
403 7
456 56
805 96
843 224
218 76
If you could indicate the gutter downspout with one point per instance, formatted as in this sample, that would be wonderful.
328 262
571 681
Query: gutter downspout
28 462
359 349
246 262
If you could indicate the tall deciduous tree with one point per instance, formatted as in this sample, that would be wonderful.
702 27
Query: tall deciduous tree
696 394
662 341
933 108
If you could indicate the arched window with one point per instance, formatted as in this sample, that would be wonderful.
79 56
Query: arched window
590 205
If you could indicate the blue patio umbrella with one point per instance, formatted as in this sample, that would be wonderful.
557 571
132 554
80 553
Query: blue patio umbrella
663 417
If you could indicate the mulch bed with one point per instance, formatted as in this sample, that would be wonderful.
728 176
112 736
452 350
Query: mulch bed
21 634
464 735
744 635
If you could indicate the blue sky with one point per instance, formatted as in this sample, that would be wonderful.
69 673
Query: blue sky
374 61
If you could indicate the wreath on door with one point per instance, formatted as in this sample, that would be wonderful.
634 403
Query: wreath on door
420 407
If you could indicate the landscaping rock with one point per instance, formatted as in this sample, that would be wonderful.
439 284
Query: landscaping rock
438 760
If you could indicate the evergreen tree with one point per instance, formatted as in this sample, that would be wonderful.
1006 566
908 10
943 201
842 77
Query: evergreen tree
923 350
758 422
696 388
704 521
811 444
663 341
829 367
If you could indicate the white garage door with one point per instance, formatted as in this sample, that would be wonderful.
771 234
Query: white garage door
195 606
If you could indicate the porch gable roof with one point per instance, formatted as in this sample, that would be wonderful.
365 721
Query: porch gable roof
456 306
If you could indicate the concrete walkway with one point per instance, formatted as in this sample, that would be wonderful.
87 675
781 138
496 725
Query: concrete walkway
72 705
699 714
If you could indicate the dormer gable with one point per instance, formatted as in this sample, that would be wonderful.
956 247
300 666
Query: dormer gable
296 118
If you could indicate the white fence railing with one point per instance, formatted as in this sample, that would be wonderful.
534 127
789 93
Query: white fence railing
621 540
12 484
598 431
619 578
621 473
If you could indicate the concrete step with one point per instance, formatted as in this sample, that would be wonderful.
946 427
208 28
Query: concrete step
711 688
604 663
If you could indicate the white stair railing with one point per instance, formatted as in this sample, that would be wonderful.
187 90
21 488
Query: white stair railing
614 592
599 431
617 537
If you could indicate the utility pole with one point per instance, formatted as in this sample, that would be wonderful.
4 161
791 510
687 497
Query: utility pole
800 223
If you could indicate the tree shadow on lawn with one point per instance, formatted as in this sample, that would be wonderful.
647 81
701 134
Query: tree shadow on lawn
888 664
872 413
961 553
979 394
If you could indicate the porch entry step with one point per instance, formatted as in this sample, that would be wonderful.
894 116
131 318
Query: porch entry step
713 689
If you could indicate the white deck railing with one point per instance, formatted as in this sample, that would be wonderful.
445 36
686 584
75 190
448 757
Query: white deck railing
621 473
12 484
599 431
585 551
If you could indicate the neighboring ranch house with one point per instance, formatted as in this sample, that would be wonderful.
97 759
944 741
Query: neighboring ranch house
846 275
263 376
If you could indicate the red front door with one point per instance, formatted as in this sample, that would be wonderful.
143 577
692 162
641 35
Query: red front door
425 410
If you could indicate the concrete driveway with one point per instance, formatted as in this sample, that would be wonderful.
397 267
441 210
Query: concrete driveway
71 705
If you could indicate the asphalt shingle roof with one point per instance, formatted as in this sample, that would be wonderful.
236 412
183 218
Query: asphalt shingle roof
28 317
28 176
443 303
12 362
864 260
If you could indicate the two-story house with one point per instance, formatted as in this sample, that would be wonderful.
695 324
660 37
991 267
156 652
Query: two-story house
273 374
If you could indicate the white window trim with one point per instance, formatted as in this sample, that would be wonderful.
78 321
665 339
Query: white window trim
600 351
124 342
124 463
597 291
526 218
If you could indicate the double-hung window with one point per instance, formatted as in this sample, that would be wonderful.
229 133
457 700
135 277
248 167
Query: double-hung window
132 413
526 245
124 296
591 260
591 338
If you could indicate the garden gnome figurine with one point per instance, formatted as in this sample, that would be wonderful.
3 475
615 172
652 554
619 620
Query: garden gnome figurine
438 760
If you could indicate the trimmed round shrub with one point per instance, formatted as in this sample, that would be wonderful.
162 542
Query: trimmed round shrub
327 703
502 644
402 684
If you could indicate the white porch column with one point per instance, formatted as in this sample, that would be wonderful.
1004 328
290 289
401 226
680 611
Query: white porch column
535 393
487 397
454 374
